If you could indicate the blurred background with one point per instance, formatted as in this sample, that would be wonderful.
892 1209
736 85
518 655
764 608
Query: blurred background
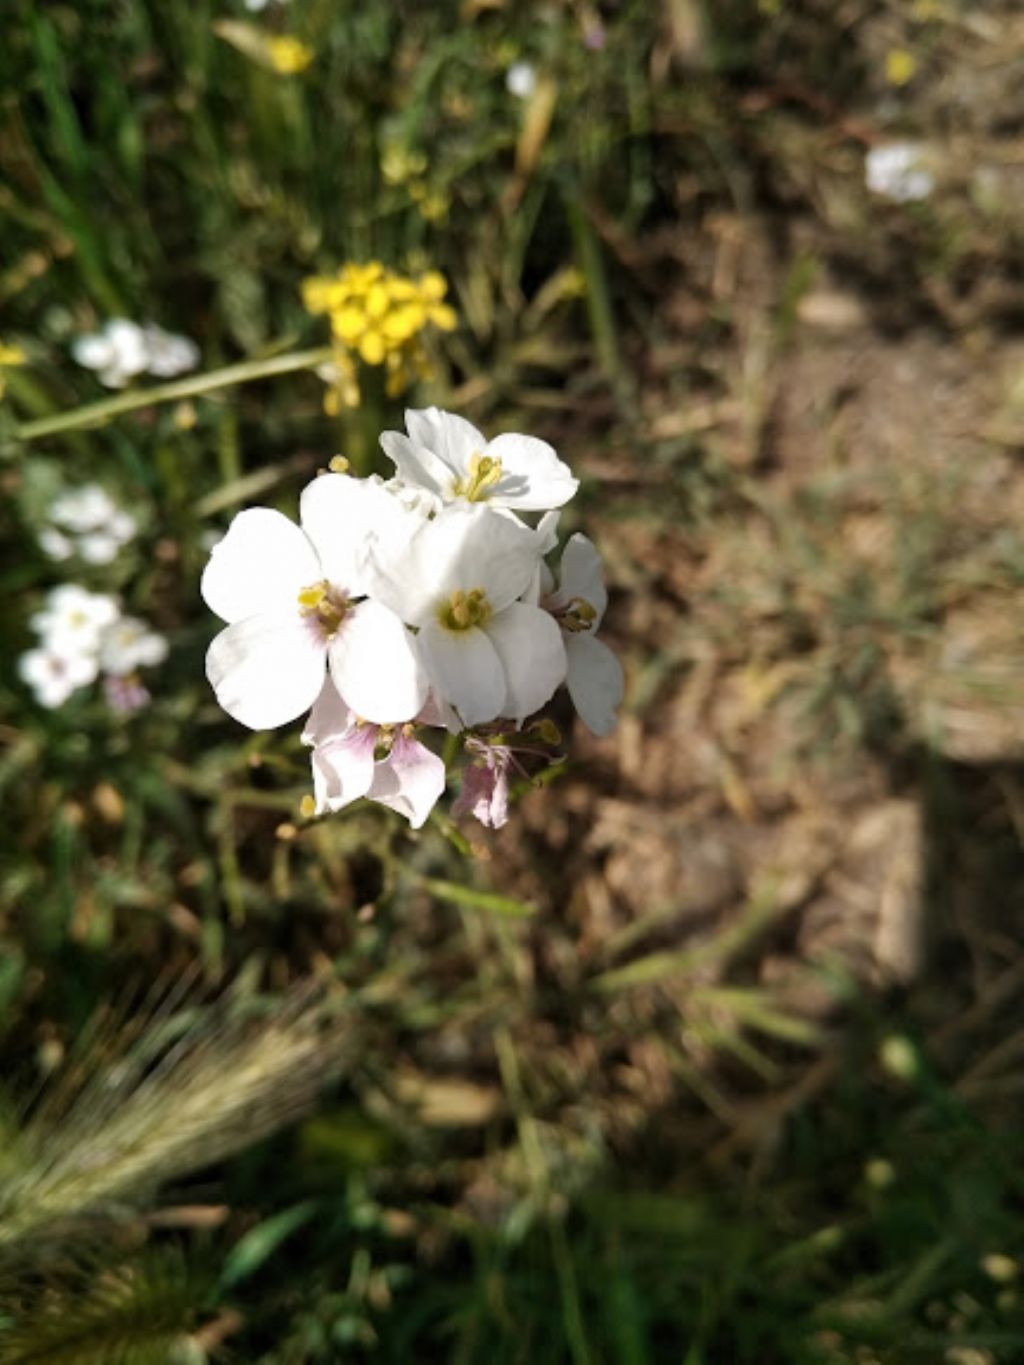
713 1054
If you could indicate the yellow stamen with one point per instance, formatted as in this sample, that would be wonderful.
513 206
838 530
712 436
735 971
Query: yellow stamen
337 464
311 597
465 610
484 473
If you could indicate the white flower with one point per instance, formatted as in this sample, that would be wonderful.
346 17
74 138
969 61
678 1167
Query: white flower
448 457
288 595
353 758
53 676
457 580
898 171
122 350
594 676
118 352
167 354
521 80
128 644
87 521
73 620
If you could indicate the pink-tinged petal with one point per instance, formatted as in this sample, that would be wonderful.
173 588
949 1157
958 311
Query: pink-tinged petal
581 575
529 645
262 564
330 718
375 665
410 780
435 711
267 669
451 438
596 683
416 464
484 791
343 769
533 478
465 669
341 515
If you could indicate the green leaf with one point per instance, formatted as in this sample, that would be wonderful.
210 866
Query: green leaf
258 1245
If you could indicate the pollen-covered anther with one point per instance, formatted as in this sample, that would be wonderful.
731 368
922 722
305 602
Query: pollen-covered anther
465 610
578 616
329 609
484 473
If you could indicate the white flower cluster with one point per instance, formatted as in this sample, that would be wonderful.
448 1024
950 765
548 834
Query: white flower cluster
419 602
87 522
122 350
81 635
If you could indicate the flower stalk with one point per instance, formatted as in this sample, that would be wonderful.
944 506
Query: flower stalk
95 414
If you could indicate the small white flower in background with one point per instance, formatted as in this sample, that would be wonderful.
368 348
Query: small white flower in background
521 80
128 644
122 350
82 634
73 620
168 355
117 352
899 171
413 604
86 521
53 676
448 457
258 6
594 677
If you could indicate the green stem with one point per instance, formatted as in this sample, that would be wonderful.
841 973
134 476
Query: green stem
92 414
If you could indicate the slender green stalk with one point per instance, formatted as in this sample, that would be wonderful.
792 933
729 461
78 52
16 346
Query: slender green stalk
93 414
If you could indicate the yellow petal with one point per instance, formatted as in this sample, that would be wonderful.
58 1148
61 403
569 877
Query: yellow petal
372 348
348 323
444 317
433 286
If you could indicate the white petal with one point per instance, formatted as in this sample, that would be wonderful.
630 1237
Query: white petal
97 547
595 682
330 718
416 464
409 781
341 515
465 669
128 343
267 669
343 769
529 645
533 478
55 543
463 548
92 352
581 576
450 437
375 665
262 564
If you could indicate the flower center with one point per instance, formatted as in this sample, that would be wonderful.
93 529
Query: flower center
484 473
577 617
325 606
465 610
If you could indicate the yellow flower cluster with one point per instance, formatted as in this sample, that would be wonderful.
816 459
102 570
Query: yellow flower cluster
378 317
